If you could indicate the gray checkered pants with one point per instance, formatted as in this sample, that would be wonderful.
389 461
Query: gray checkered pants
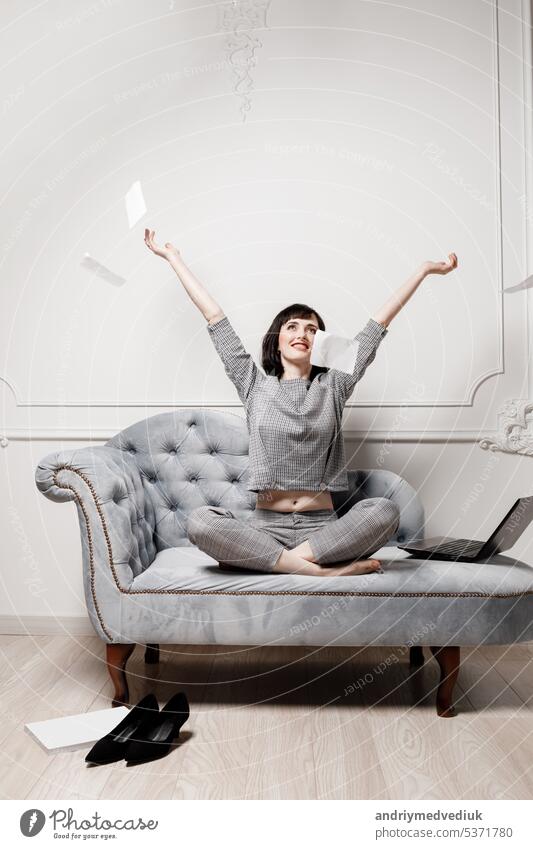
257 542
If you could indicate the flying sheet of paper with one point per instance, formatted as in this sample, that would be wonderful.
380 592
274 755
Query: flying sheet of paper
97 268
525 284
334 351
135 205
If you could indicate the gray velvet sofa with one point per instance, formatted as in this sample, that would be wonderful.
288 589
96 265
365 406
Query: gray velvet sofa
146 583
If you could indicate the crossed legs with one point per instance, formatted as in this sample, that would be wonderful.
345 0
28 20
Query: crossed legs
340 546
352 538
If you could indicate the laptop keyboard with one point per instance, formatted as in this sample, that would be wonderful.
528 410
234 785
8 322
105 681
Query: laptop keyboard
458 546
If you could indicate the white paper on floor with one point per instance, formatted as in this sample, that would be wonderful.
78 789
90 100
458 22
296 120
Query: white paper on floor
135 204
333 351
102 271
68 733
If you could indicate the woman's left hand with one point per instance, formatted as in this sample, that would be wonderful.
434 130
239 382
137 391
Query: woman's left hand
430 267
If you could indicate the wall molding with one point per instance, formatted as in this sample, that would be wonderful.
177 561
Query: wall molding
251 15
527 63
254 15
168 405
104 434
515 422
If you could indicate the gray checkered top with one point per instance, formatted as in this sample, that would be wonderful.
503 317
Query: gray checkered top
295 426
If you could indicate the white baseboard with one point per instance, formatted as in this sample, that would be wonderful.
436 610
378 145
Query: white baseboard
95 435
37 626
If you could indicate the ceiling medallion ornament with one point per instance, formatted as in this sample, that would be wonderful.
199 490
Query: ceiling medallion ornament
238 20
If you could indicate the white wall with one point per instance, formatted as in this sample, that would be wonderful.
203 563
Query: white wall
364 140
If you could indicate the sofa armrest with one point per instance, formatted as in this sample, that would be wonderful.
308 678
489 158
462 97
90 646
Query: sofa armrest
116 520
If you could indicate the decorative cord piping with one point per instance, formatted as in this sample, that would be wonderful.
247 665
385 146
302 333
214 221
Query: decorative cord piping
332 592
90 538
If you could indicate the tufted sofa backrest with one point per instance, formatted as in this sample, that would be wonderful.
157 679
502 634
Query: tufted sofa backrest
188 458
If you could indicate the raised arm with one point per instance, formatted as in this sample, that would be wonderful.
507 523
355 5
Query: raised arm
197 292
238 363
370 337
393 306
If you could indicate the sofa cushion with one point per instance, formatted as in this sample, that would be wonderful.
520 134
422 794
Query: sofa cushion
185 597
173 567
190 568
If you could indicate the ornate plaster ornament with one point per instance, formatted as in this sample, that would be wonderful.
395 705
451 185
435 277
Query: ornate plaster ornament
238 20
515 429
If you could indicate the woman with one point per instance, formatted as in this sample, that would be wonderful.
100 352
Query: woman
296 451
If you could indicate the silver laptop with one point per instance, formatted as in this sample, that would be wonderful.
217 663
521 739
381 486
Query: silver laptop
504 537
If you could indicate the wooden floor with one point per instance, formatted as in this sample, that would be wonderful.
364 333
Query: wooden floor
278 723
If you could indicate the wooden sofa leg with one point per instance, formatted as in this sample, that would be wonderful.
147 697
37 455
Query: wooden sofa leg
151 654
449 659
416 656
117 655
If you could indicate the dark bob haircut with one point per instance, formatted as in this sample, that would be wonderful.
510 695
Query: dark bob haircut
270 357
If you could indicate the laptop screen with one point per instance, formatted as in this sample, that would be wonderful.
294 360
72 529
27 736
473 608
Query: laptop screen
511 528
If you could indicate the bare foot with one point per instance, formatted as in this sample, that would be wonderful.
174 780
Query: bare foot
356 567
291 563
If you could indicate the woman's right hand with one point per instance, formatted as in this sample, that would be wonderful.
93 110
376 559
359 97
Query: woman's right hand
168 251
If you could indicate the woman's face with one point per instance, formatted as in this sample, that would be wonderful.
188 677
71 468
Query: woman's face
296 339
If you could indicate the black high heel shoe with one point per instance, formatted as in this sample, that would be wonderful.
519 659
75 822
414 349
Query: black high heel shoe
113 746
156 736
